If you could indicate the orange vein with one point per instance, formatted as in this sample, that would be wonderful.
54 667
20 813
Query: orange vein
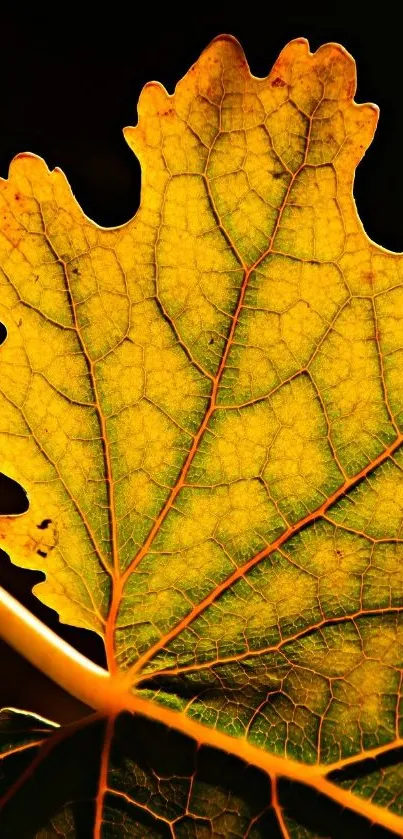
97 402
273 648
109 648
103 778
243 569
381 368
370 754
311 775
108 696
15 749
119 584
47 746
277 807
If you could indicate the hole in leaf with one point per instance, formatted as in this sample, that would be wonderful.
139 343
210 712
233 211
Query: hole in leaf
3 333
13 498
44 524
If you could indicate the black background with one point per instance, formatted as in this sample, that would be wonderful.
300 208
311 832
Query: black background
69 82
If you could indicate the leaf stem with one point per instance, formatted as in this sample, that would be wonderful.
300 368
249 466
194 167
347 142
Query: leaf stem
54 657
107 694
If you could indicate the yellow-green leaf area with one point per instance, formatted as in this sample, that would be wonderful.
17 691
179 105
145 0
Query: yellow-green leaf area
204 406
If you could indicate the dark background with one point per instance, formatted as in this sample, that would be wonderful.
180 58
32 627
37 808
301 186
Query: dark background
70 83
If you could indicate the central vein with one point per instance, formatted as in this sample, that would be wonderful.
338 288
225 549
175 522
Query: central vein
119 582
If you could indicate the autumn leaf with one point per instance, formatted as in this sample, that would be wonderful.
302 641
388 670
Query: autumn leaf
205 408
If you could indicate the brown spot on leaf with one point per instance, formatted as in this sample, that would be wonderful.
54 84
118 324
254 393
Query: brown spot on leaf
369 278
278 82
44 524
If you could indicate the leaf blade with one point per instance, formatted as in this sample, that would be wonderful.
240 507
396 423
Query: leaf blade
214 412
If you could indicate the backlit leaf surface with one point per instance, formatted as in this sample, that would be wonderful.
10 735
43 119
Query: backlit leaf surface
205 407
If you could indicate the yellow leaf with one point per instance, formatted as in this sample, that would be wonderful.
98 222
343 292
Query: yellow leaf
205 407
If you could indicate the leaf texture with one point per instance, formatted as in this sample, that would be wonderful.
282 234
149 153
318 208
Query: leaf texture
205 409
159 784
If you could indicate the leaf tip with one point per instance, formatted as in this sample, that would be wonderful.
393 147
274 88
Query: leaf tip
26 161
225 48
225 38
